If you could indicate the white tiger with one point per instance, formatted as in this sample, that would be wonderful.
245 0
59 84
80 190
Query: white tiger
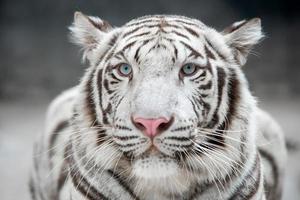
163 112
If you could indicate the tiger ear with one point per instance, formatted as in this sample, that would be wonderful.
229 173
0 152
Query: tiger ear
242 36
87 32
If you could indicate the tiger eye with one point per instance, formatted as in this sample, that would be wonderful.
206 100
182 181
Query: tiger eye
188 69
124 69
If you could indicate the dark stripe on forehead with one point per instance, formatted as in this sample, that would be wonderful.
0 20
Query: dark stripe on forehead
193 51
216 50
191 31
111 43
209 54
138 35
175 52
128 46
137 23
186 23
113 40
180 34
136 55
145 19
130 32
165 25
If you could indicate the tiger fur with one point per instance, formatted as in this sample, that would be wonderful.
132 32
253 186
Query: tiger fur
218 144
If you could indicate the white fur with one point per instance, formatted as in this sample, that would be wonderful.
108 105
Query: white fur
156 91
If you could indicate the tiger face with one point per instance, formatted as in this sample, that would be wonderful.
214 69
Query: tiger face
164 88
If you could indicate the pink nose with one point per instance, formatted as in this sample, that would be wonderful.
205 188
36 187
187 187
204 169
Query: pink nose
152 127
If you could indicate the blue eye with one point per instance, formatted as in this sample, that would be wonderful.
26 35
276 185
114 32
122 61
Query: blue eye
125 69
188 69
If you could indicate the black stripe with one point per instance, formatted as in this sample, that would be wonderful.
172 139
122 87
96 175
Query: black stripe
63 175
124 138
178 138
114 77
118 178
179 145
136 55
201 75
138 35
164 25
130 32
191 31
199 189
218 139
207 86
175 52
113 40
142 22
106 111
272 191
111 43
194 108
55 133
90 106
209 53
99 85
187 23
128 46
193 51
32 189
122 127
180 34
106 86
79 181
181 128
218 53
233 96
221 75
250 184
101 134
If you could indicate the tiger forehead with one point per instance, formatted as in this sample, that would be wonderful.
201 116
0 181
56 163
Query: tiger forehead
164 19
158 24
160 31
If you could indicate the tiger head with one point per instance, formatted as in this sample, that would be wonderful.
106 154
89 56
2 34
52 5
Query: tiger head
164 94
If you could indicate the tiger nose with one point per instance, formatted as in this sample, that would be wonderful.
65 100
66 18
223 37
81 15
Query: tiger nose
152 127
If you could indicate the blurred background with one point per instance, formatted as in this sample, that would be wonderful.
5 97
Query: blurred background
37 62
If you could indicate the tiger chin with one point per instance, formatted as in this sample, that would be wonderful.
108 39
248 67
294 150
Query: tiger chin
163 111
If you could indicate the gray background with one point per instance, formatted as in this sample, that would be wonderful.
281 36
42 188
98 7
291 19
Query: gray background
37 62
